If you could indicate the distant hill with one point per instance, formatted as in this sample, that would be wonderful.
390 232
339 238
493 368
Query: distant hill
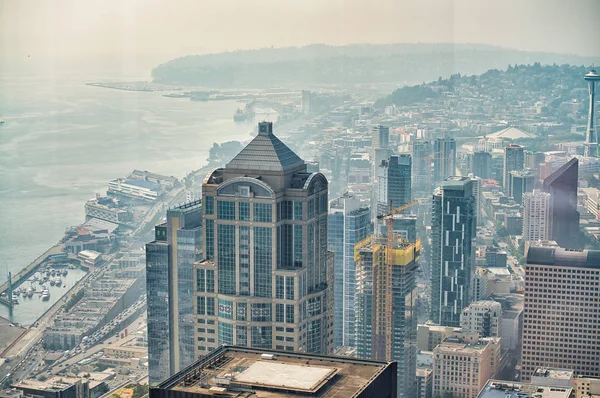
351 64
550 85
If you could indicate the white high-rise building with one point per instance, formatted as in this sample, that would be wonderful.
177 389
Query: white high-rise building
537 216
482 317
477 194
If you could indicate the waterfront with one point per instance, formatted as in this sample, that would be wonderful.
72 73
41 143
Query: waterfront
63 141
30 309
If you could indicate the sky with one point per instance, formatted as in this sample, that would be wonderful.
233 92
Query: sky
136 34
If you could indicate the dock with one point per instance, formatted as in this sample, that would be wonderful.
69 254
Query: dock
31 268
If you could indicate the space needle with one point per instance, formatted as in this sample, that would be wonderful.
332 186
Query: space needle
591 136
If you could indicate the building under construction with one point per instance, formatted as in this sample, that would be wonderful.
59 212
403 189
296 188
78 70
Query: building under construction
386 294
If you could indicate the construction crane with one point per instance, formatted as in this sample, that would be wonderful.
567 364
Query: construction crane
389 217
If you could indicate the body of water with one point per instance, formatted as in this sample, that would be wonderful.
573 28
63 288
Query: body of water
62 141
31 308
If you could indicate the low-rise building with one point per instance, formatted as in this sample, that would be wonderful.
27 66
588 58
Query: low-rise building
462 364
424 383
586 387
232 371
507 389
552 377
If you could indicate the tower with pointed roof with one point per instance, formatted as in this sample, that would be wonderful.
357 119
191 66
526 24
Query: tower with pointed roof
267 277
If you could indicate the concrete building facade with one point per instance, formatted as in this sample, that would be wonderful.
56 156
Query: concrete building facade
560 316
537 216
266 280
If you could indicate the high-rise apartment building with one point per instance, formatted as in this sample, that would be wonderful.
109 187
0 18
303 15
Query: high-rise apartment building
477 195
393 183
267 277
170 284
561 311
422 157
386 294
380 137
349 223
444 159
481 164
482 317
463 364
514 159
452 251
537 216
562 185
520 182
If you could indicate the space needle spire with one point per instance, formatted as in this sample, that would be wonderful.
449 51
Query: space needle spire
591 136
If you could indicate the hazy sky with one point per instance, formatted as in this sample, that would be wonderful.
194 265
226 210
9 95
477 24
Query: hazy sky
135 33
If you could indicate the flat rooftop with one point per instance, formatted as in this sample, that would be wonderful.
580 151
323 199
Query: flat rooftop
554 373
231 370
507 389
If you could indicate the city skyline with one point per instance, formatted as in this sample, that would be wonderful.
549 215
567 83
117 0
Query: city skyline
372 220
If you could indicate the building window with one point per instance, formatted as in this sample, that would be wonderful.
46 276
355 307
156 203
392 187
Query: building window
225 333
201 305
210 306
225 309
297 210
225 210
279 316
210 281
244 260
200 281
209 205
289 287
226 258
244 211
289 313
210 238
261 312
262 336
297 246
241 335
242 309
263 261
263 212
279 287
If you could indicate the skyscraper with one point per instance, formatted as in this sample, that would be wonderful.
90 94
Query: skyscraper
444 159
514 159
381 137
267 277
481 164
386 294
348 224
170 284
537 216
560 316
452 264
562 185
422 155
393 183
520 182
591 135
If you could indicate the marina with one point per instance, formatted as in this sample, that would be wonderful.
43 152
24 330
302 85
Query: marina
36 294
